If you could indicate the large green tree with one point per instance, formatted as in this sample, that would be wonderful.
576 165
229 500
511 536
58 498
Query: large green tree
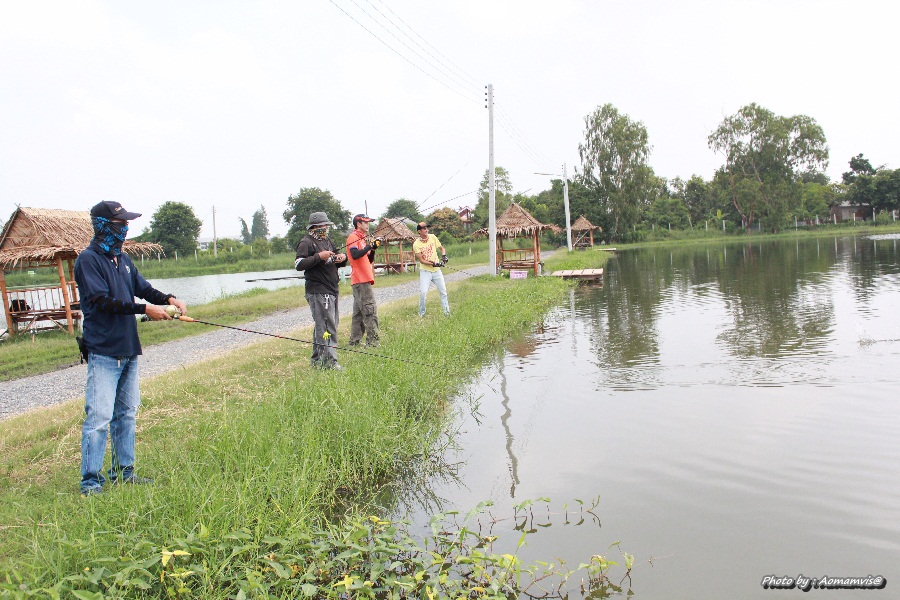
503 192
245 232
259 228
403 208
175 226
698 197
445 220
877 187
615 168
309 200
765 157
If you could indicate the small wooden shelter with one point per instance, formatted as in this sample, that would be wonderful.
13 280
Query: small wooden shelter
518 222
392 257
584 231
45 237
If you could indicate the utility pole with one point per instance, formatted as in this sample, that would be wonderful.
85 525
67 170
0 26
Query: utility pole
215 241
492 200
565 177
566 202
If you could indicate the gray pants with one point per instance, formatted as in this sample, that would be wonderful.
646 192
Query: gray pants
324 309
365 315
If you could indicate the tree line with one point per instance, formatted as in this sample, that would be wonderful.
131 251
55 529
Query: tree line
772 176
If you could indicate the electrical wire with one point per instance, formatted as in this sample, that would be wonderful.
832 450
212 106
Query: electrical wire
395 51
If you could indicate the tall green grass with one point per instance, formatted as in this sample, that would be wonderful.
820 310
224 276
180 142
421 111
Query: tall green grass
256 440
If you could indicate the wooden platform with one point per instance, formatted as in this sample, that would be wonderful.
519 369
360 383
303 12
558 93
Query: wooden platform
579 274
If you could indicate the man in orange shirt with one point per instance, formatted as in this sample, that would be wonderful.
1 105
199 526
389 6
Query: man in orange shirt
362 278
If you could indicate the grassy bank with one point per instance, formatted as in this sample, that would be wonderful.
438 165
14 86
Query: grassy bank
252 445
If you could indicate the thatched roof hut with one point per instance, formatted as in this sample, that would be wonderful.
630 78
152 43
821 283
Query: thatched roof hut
582 224
393 230
585 230
46 237
393 257
518 222
35 237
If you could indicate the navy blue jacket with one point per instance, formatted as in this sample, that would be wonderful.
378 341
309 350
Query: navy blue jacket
108 333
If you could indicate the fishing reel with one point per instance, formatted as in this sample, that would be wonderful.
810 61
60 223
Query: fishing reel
376 242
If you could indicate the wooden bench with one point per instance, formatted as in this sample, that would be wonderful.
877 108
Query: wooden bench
30 318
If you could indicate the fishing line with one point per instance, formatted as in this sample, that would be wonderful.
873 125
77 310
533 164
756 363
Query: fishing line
449 200
444 266
284 337
440 186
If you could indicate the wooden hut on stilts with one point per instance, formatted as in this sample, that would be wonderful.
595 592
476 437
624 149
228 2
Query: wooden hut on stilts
40 238
584 232
513 223
393 256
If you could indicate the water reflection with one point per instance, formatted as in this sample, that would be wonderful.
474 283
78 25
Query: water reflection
504 419
734 406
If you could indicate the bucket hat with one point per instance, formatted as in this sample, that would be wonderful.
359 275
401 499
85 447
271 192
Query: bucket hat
318 219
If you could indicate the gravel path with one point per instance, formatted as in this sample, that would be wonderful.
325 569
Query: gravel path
22 395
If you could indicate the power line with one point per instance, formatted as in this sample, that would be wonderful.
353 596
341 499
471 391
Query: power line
505 120
477 84
401 55
440 66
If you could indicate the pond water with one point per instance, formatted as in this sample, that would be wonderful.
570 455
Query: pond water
735 407
206 288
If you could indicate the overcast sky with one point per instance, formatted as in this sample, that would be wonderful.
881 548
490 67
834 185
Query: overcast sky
240 104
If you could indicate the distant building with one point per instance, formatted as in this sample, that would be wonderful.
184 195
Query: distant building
847 211
467 216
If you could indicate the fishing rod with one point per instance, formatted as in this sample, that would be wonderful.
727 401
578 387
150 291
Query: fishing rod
284 337
275 278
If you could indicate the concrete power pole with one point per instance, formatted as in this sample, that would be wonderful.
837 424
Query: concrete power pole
566 202
565 177
492 200
215 241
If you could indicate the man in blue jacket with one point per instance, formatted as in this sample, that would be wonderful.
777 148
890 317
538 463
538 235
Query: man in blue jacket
108 283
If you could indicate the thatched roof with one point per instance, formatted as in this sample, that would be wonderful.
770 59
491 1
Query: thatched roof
582 224
393 230
515 221
36 236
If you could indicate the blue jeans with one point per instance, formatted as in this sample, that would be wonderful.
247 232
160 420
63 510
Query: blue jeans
111 400
425 279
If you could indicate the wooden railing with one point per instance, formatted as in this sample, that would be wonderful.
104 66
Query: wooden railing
43 304
396 261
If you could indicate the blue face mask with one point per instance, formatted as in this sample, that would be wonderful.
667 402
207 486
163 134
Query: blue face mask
109 235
